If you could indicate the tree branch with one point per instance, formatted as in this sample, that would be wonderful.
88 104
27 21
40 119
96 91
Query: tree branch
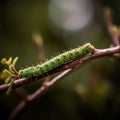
97 54
112 29
25 102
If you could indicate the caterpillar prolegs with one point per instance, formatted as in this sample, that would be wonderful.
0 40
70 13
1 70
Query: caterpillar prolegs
57 61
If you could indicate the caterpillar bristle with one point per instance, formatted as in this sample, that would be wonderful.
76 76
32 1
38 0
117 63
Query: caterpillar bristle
61 59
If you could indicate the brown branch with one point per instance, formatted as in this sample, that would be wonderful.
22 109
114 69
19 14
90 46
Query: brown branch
98 54
40 46
112 29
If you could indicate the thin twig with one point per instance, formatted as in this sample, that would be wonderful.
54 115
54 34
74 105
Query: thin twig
40 46
112 29
98 54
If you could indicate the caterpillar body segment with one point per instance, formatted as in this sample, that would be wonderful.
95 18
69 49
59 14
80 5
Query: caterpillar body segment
57 61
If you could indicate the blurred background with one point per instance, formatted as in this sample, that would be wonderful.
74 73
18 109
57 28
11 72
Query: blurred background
91 92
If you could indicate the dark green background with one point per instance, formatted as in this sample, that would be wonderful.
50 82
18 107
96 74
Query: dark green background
91 92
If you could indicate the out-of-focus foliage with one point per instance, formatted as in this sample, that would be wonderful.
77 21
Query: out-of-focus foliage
92 92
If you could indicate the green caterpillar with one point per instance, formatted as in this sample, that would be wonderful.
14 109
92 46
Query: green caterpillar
57 61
